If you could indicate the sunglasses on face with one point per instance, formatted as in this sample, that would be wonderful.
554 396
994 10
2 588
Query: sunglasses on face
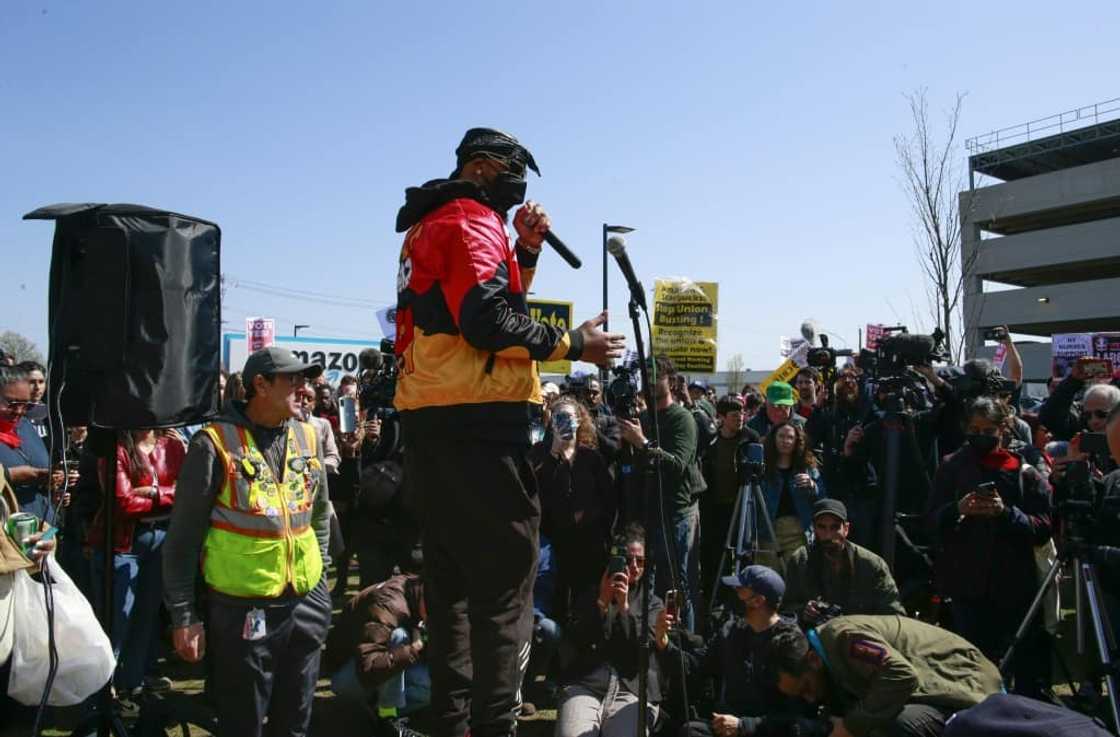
638 560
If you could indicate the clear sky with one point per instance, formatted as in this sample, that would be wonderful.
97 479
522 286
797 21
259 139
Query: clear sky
749 143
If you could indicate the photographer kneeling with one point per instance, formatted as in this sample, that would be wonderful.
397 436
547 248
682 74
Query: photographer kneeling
887 675
990 510
375 652
600 688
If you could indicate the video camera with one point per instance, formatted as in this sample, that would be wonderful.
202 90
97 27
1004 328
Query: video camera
825 356
377 382
900 350
751 461
622 391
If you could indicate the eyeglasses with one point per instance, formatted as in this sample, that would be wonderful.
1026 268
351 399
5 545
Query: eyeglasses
15 407
638 560
1100 414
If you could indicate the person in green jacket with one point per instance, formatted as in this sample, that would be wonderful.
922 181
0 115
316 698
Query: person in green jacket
835 571
886 675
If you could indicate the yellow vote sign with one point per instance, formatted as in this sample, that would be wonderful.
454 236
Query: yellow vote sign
558 315
785 373
684 323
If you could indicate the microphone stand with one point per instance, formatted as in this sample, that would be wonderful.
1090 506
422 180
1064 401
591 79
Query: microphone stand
644 640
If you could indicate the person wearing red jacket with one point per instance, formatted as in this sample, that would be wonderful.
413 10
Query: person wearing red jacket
148 464
467 352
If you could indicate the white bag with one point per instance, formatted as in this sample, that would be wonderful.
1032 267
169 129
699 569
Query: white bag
85 656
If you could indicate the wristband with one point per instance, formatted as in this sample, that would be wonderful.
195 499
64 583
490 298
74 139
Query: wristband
527 256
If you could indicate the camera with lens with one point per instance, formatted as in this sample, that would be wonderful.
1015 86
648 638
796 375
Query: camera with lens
377 382
750 458
825 356
578 385
900 350
622 392
817 612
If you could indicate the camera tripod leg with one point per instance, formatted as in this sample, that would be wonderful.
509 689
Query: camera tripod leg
1103 636
1032 612
733 540
764 513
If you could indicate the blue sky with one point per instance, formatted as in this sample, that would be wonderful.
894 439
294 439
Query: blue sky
749 143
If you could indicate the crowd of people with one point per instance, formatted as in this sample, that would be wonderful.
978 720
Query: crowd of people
850 553
728 636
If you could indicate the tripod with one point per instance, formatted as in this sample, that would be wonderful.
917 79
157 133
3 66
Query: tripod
1087 588
898 427
742 540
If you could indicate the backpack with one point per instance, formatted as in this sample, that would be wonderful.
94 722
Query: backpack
706 430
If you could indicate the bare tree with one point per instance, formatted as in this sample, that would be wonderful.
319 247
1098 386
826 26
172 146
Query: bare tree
932 178
735 372
19 347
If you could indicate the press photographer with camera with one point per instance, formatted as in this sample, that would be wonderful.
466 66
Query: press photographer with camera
599 694
721 474
838 430
466 347
375 653
989 512
673 470
832 571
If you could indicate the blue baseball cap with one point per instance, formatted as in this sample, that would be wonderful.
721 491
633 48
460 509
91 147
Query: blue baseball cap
761 580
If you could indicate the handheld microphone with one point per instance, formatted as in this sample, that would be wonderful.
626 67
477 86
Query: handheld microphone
617 247
563 250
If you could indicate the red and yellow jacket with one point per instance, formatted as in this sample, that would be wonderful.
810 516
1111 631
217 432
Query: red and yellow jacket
465 342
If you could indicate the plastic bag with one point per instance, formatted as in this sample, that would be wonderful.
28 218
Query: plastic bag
85 656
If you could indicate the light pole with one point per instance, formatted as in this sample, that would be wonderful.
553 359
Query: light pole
296 328
620 229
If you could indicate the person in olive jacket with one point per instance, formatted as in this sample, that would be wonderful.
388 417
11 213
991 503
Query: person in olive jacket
835 571
886 675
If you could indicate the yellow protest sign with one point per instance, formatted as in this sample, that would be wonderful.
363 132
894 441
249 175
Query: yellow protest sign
684 323
556 314
785 373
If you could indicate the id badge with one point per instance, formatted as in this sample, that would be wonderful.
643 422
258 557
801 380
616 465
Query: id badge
255 626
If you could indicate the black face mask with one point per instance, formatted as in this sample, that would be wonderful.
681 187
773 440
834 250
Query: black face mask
505 192
984 444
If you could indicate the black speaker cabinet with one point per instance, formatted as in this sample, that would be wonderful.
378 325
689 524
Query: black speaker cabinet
135 316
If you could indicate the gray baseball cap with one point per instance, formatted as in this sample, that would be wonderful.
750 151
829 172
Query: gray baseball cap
276 360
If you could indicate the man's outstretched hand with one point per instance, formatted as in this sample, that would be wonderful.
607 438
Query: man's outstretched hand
600 348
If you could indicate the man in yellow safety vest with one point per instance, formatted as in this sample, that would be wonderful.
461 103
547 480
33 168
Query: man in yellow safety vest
251 514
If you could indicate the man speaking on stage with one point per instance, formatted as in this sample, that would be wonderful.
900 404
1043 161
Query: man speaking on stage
466 348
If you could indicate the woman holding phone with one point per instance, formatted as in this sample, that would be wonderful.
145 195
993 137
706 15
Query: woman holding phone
578 500
990 509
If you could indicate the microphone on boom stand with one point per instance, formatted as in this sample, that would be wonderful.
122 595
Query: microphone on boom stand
616 245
